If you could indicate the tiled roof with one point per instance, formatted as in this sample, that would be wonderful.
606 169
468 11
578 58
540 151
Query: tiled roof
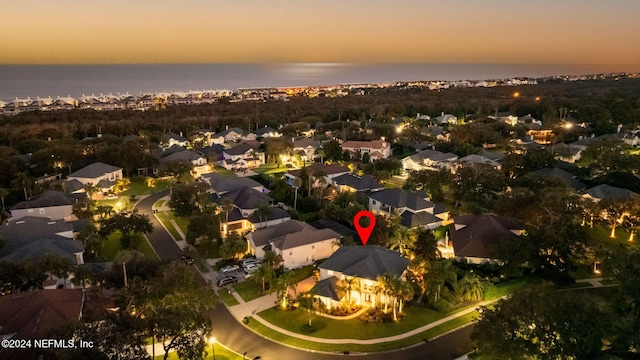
366 262
422 218
480 234
31 314
94 170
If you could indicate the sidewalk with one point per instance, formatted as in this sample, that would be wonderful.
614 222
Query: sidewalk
252 307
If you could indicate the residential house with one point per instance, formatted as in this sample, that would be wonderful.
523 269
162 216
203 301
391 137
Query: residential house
377 149
240 210
198 162
298 243
474 159
306 146
242 157
435 132
329 173
446 119
99 174
505 117
414 210
568 153
474 238
354 183
175 139
30 238
233 134
363 264
560 175
33 315
267 132
221 185
608 192
428 160
54 205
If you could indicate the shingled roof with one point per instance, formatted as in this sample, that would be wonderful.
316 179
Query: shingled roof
366 182
399 198
48 198
608 192
291 234
478 235
94 170
245 198
221 184
366 262
560 175
328 288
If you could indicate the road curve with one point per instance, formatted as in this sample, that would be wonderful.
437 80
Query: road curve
234 335
159 238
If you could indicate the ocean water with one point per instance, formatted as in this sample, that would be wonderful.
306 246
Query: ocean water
24 81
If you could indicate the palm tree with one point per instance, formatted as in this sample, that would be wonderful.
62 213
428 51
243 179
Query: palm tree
123 257
227 205
285 282
264 275
3 193
405 294
349 284
297 183
402 240
386 286
306 300
417 273
442 274
272 259
471 288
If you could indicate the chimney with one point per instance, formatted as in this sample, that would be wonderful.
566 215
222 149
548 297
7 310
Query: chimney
227 127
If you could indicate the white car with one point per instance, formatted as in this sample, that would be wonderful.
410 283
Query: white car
245 262
252 267
229 268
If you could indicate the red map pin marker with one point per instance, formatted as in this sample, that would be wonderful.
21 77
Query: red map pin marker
364 232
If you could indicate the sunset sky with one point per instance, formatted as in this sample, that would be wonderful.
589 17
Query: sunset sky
359 31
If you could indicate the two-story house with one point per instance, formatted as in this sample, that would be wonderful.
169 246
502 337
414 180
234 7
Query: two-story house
242 157
198 162
377 149
361 266
428 160
99 174
298 243
50 204
306 146
414 210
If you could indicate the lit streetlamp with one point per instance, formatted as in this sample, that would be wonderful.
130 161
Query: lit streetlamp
212 341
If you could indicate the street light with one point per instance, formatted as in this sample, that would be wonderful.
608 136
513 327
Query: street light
212 341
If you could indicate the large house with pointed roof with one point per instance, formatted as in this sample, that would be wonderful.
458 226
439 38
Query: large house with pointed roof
54 205
242 156
474 238
363 264
414 210
30 238
306 146
198 161
353 183
99 174
428 160
329 172
377 149
298 243
608 192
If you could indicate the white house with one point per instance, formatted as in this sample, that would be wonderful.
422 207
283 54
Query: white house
99 174
242 156
50 204
298 243
306 146
199 162
414 210
377 149
428 160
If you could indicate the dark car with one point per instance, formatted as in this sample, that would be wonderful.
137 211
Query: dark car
187 259
226 280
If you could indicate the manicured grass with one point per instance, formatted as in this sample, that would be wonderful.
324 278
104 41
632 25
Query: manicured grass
600 233
227 298
159 203
268 169
350 329
139 186
429 334
508 287
248 290
222 353
208 250
224 172
164 218
111 246
183 223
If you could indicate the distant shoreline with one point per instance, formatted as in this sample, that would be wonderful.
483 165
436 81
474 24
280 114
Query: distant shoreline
32 81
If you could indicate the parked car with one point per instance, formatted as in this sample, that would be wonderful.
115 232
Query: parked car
247 274
252 267
227 280
245 262
187 259
229 268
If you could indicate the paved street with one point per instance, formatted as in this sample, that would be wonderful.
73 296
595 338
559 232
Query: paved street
236 336
159 238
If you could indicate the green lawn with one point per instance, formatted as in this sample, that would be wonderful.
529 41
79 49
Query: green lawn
600 233
164 218
224 172
227 298
198 260
270 169
350 329
429 334
508 287
248 290
139 186
222 353
111 246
